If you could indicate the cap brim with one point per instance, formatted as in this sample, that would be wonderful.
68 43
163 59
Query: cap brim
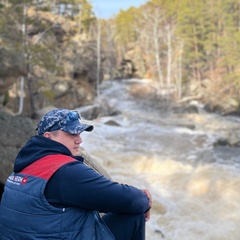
88 128
77 127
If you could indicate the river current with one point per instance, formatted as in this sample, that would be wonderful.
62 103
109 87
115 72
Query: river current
194 182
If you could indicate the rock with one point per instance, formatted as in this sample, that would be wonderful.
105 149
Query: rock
11 63
91 162
189 106
221 142
89 112
232 113
15 131
11 68
112 123
99 109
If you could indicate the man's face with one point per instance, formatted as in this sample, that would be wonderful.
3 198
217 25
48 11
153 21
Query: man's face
71 141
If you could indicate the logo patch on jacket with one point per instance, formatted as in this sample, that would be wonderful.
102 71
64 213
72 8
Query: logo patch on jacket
14 179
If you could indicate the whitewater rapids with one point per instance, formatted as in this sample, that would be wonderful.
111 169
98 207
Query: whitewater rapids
195 185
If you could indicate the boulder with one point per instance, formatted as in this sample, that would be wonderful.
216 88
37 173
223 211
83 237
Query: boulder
11 67
15 131
11 63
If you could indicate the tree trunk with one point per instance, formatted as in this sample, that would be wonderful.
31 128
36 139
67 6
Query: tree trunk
98 57
157 51
22 79
169 60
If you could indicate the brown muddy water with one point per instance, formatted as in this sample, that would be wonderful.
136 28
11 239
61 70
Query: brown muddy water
195 183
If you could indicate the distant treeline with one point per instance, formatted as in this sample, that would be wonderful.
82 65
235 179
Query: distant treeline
177 43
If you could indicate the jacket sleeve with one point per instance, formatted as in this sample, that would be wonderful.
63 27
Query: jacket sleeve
78 185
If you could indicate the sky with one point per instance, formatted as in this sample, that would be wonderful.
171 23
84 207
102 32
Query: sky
107 8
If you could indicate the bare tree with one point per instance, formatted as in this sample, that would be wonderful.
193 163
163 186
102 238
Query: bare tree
150 34
156 37
179 71
24 42
98 57
169 59
110 48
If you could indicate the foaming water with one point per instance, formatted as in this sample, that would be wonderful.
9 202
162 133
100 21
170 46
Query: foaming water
192 202
195 186
192 199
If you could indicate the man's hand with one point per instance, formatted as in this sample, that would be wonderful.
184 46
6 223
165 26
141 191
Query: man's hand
147 214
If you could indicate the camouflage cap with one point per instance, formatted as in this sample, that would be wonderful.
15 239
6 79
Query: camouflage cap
64 120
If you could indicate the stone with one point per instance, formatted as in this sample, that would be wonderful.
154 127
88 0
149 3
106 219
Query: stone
15 131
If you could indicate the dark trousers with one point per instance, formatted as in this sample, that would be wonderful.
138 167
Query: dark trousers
126 227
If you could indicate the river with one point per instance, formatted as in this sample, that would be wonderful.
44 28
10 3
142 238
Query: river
194 182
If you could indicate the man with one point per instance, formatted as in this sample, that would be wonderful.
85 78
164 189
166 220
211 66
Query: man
52 194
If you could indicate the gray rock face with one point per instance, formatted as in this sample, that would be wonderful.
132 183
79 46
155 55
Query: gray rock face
11 63
15 131
11 67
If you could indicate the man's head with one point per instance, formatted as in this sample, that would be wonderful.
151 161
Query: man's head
62 119
64 126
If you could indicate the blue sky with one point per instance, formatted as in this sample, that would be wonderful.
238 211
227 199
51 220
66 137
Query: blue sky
108 8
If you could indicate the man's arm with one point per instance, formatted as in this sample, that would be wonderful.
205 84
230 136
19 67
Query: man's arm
78 185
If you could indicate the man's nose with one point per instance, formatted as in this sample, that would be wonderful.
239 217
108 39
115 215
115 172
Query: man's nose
78 139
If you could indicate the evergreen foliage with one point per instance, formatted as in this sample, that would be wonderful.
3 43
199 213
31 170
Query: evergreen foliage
202 35
177 43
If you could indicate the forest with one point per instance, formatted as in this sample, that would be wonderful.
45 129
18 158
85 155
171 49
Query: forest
189 48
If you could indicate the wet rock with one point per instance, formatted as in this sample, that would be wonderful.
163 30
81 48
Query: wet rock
227 142
112 123
158 231
89 112
221 142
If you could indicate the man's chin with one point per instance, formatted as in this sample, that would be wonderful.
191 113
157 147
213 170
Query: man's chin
75 152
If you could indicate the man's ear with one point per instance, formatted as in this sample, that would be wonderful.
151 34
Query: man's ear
47 135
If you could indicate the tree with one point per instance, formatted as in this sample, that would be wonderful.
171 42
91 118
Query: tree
125 32
150 35
40 38
109 46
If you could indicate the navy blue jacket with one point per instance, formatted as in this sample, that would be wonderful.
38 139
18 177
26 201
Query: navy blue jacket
25 214
77 185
